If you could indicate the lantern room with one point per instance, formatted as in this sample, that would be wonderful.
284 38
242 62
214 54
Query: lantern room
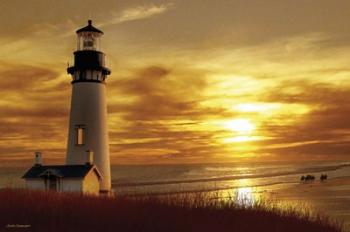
89 38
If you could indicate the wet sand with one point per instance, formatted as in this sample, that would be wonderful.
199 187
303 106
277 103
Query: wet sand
331 197
328 198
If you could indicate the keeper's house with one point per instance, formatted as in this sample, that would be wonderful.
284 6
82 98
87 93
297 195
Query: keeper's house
83 178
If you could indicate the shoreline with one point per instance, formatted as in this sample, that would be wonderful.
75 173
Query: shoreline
331 197
320 169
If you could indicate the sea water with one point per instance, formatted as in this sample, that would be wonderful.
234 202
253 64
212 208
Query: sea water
147 179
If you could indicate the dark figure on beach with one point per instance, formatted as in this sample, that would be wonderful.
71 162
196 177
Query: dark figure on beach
323 177
307 178
310 177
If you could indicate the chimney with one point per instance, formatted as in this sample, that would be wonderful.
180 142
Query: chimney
89 157
37 159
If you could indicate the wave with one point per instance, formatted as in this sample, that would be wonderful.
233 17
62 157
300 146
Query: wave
206 190
307 170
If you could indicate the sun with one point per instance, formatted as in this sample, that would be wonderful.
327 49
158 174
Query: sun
241 126
243 131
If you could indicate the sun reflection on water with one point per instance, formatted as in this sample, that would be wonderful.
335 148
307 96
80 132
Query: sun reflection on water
245 194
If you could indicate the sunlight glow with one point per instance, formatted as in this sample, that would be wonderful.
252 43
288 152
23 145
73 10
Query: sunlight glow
257 107
242 126
243 130
243 138
245 195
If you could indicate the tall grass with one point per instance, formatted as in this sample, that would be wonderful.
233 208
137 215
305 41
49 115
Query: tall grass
50 211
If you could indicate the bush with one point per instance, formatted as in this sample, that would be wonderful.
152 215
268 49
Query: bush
51 211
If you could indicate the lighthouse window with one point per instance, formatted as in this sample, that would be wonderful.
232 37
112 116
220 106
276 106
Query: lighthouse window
80 135
88 44
89 75
76 75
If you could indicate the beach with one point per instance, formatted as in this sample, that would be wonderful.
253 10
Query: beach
331 197
278 183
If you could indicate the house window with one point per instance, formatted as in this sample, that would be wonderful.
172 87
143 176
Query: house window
80 135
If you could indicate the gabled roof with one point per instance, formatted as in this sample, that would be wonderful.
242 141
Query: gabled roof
89 27
50 172
61 171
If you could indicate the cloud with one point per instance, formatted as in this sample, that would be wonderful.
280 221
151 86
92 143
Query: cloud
32 110
322 132
137 13
161 93
176 71
162 121
165 119
22 76
158 142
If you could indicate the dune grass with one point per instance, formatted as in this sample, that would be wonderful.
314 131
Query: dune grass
51 211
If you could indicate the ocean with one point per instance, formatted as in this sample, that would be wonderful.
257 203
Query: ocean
210 177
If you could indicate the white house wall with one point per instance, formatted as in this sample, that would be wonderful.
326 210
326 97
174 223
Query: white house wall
71 185
90 184
37 184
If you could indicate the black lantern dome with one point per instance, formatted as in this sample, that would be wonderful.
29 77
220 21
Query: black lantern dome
89 28
89 60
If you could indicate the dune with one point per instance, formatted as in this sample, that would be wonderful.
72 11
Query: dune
51 211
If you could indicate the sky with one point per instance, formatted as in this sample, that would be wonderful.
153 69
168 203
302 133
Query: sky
192 81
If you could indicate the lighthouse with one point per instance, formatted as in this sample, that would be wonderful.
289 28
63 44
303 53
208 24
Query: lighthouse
88 132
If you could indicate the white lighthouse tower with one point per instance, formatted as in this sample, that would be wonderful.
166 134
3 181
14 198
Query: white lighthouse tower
88 133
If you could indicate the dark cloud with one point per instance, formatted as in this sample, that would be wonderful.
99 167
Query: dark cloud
309 92
163 93
324 131
32 111
23 77
165 145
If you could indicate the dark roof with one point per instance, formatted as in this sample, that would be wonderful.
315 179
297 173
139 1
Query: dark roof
68 171
89 27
